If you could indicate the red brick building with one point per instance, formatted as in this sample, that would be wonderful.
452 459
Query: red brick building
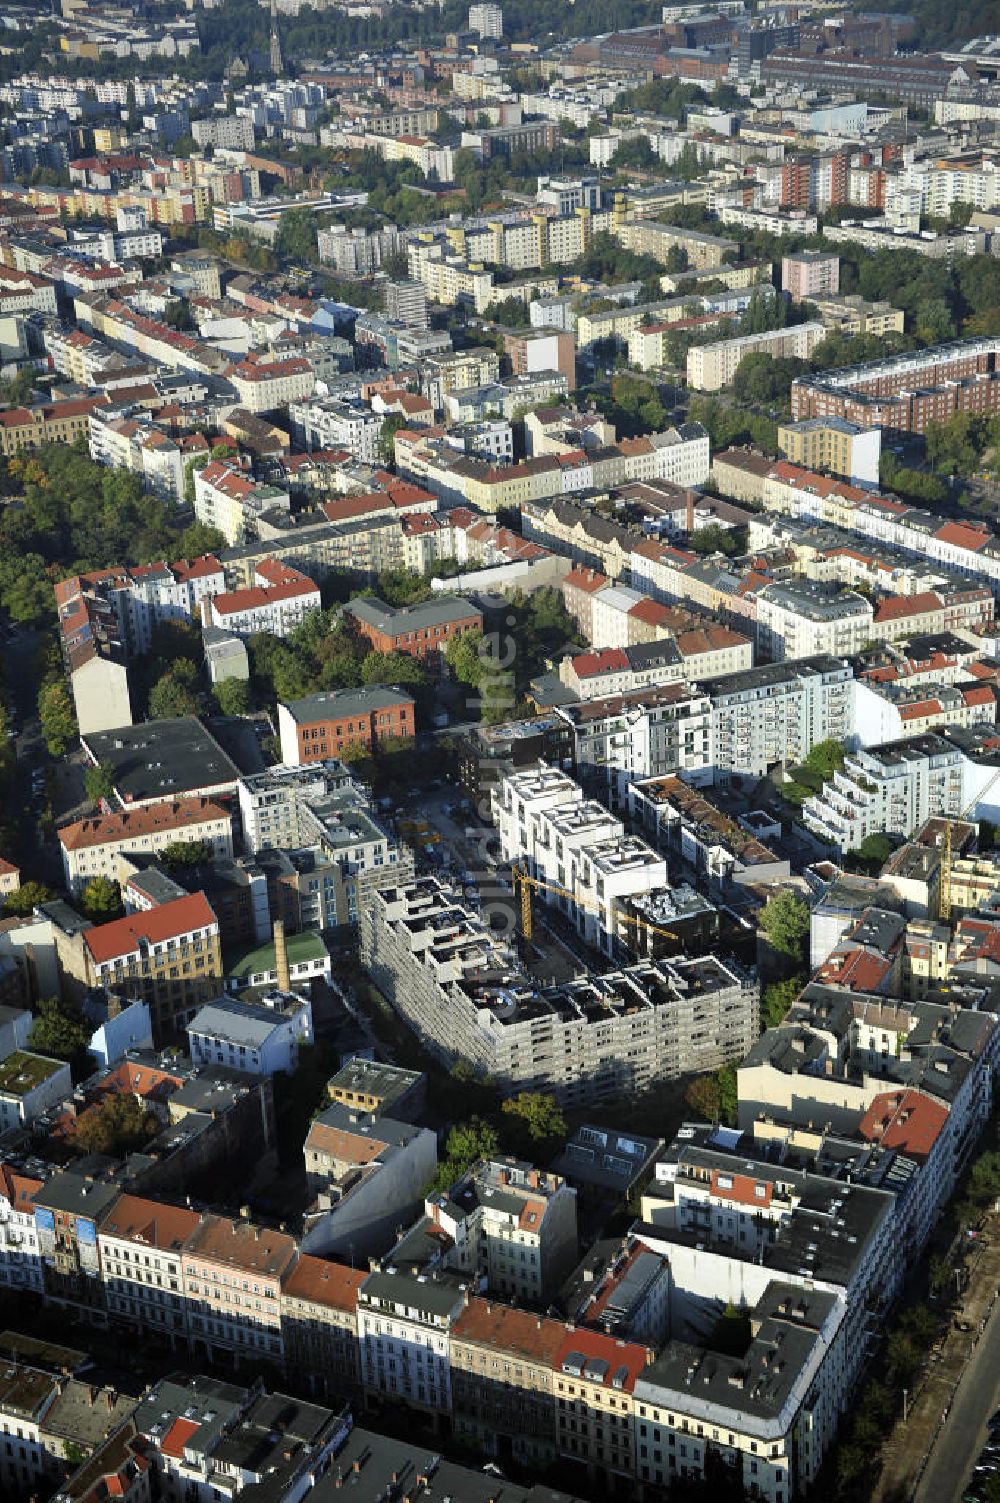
322 725
422 631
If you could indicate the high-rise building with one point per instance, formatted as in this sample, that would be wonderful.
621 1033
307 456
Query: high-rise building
406 302
487 20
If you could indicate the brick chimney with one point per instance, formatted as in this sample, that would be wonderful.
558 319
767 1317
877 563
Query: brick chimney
281 956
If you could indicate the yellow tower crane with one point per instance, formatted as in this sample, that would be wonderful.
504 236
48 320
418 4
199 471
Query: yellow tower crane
525 884
944 895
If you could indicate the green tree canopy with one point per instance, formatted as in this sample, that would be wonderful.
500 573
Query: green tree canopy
101 900
120 1125
59 1030
778 998
785 921
232 695
537 1122
99 781
57 717
467 1142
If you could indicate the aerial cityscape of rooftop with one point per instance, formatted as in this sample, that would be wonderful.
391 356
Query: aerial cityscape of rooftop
499 751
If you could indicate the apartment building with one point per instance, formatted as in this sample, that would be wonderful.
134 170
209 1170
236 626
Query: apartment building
536 350
502 1365
232 1273
712 366
366 1174
330 423
803 618
851 314
650 732
91 847
135 444
169 957
906 392
140 1244
277 602
233 503
720 851
323 725
459 984
320 1327
265 385
810 274
889 790
20 1260
584 862
774 714
403 1331
509 1223
25 428
833 444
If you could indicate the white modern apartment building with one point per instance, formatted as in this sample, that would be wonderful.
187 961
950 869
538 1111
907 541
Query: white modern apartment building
328 423
404 1321
889 790
800 618
580 854
776 713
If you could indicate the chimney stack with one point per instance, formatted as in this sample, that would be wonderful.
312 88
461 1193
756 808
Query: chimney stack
281 956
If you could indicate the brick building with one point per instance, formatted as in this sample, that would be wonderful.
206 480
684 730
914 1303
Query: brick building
421 631
322 725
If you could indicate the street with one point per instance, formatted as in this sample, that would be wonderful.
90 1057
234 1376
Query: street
963 1433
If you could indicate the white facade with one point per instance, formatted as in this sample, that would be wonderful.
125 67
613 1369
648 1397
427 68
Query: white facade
257 1039
577 848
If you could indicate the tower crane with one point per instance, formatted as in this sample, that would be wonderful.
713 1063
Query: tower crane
944 895
525 884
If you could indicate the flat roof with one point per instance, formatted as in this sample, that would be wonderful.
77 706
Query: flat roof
162 759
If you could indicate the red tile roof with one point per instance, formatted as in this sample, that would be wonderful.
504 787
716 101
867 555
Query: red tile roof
905 1121
170 920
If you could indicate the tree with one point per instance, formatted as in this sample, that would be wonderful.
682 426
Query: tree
778 998
198 538
704 1097
872 854
297 236
467 1143
729 1097
186 853
26 898
101 900
785 921
537 1120
714 539
173 694
120 1125
825 758
232 695
391 425
99 782
677 258
59 1030
57 716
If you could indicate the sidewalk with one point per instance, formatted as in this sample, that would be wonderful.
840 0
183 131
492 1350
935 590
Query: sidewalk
908 1447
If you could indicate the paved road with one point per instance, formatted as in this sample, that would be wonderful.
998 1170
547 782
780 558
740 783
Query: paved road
964 1432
